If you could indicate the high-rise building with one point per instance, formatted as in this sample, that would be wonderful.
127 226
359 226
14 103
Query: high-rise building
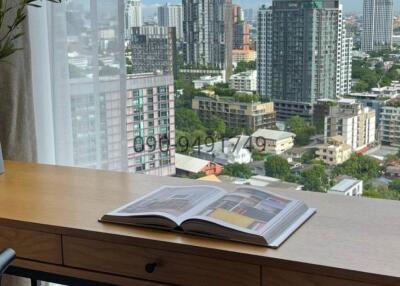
154 49
171 16
207 28
151 124
344 58
241 36
264 51
297 50
133 14
377 25
238 14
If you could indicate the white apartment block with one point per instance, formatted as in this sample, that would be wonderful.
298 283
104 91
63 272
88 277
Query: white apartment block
133 15
390 123
171 16
377 25
344 58
352 121
244 81
348 187
207 80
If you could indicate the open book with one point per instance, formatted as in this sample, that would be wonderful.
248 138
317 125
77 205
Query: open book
247 215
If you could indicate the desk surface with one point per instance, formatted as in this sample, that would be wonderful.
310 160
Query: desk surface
348 236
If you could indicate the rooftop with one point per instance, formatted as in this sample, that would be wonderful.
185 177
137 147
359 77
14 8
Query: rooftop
190 164
345 185
272 134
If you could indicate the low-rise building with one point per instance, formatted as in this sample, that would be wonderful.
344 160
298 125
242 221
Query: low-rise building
268 183
233 151
348 187
349 119
243 56
247 115
187 165
273 141
207 80
392 171
244 81
334 152
390 122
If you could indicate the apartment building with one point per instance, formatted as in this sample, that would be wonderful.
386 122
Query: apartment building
377 25
151 124
243 56
344 58
273 141
207 28
248 115
244 81
133 15
334 152
170 15
154 49
352 121
390 123
293 74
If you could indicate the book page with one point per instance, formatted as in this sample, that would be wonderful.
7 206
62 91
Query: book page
248 210
174 203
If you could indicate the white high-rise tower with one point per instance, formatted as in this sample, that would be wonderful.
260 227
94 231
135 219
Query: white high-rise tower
171 16
133 14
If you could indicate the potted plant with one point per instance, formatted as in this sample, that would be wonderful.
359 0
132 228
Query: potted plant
12 17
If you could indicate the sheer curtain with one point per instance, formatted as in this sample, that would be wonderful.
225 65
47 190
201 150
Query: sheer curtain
79 83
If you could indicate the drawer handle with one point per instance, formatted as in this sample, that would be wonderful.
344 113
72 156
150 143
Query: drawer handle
150 267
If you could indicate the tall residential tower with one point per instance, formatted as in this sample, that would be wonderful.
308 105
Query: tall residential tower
207 28
133 14
171 16
298 54
377 25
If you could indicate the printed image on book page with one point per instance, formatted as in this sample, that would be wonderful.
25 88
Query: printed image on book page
247 210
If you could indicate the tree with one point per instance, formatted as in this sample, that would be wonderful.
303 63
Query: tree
187 120
301 128
395 185
309 156
277 167
359 166
315 179
238 170
245 66
360 86
257 155
216 126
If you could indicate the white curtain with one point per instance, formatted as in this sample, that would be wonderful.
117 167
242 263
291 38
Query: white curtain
79 83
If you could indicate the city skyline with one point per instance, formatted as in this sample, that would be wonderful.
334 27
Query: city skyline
348 5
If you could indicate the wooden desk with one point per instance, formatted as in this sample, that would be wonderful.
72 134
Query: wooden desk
49 215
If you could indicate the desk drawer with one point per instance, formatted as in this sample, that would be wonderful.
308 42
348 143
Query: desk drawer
174 268
38 246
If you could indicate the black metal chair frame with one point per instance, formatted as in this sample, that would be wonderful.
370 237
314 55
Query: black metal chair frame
6 258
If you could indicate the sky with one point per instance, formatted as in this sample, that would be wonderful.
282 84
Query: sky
349 5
